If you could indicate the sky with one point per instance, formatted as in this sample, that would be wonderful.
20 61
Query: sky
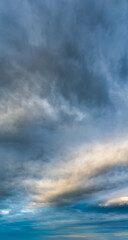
63 119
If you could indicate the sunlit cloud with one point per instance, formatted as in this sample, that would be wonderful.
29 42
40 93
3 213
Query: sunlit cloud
121 201
76 178
5 211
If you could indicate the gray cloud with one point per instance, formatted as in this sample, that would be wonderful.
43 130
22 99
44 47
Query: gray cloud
62 86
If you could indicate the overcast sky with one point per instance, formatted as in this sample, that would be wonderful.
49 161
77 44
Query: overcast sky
63 119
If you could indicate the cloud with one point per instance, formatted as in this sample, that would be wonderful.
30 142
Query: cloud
20 110
63 111
69 236
77 178
121 234
68 180
5 211
121 201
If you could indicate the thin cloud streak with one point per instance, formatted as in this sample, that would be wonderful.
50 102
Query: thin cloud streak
69 236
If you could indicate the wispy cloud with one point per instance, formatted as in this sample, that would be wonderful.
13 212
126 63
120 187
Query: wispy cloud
121 234
69 236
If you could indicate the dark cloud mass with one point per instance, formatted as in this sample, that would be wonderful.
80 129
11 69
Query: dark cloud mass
63 118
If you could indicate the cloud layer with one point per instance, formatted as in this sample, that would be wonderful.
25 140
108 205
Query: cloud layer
63 113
